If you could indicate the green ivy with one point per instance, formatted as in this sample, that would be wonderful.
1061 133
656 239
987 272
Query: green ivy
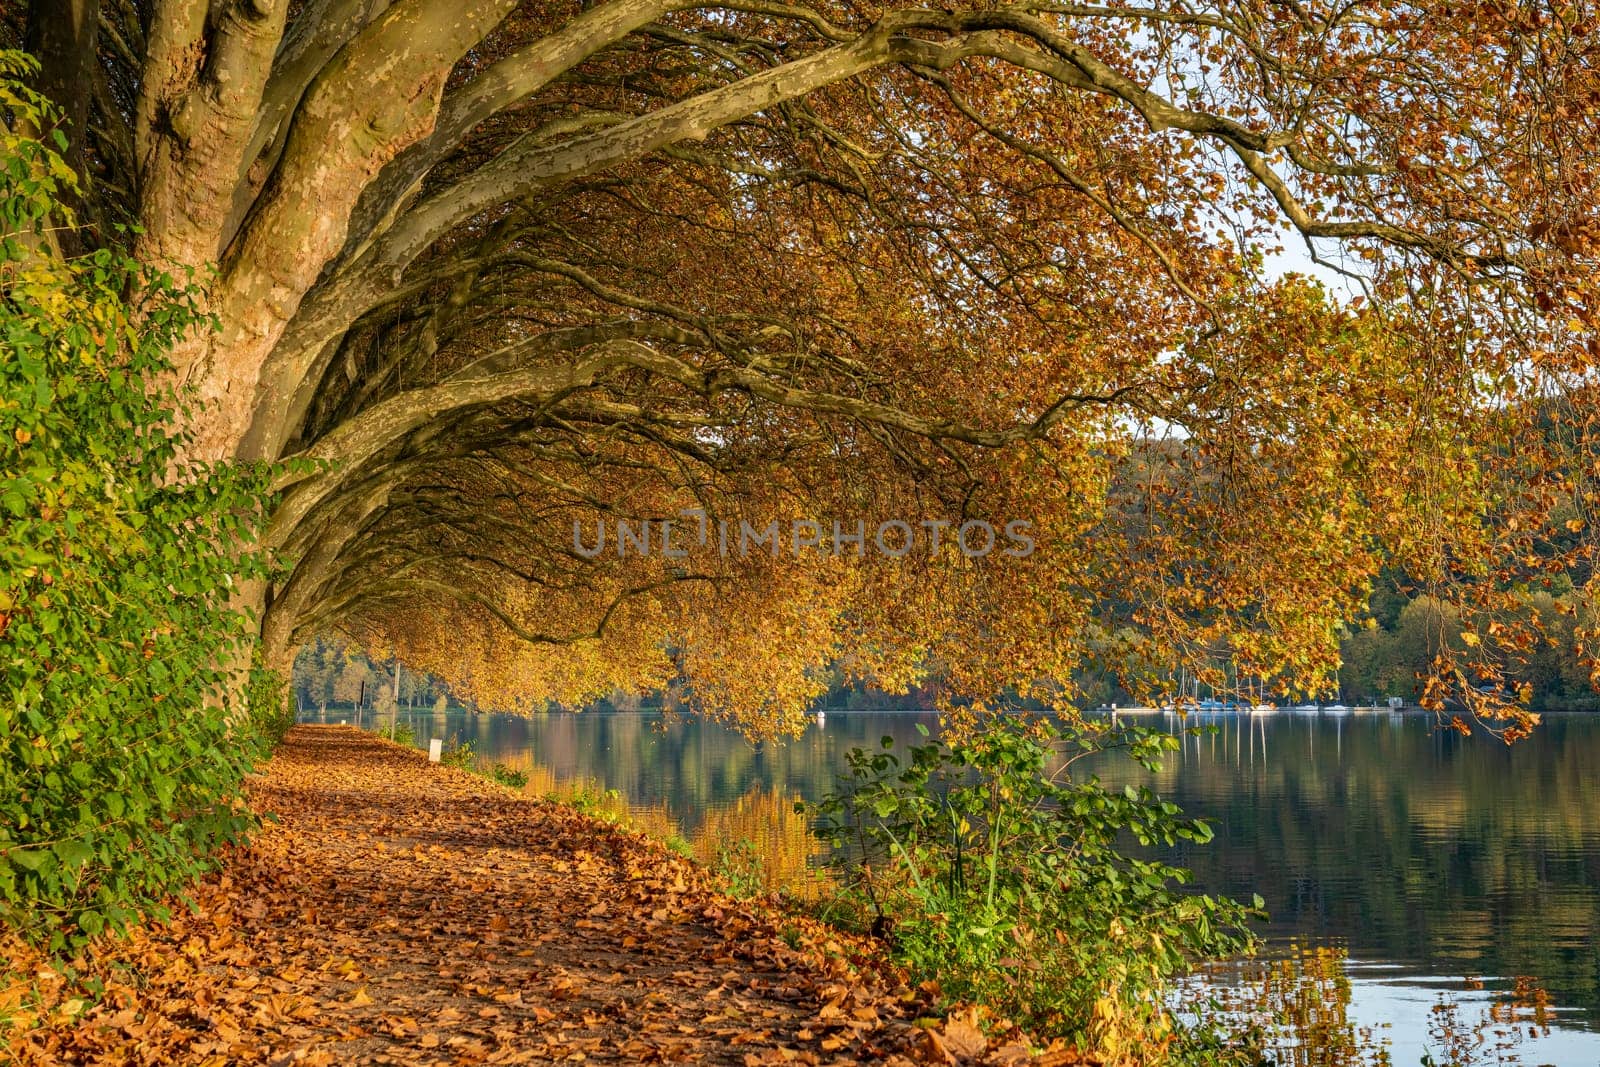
124 735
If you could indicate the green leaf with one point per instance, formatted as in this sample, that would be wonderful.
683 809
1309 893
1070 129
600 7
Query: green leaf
73 853
31 859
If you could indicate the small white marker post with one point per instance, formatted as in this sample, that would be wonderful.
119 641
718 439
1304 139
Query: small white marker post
435 749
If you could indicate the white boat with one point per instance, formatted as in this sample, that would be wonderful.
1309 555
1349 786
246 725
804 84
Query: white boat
1263 709
1336 709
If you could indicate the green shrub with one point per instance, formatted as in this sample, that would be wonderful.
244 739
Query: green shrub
993 871
401 733
591 801
508 777
389 726
271 707
737 865
123 735
457 753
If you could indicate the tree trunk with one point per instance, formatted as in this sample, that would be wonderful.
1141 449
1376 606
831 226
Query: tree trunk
62 35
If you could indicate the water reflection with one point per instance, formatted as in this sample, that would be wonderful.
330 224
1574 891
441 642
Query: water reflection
1442 854
693 767
1427 857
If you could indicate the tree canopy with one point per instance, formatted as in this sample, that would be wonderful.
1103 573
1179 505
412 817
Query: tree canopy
503 268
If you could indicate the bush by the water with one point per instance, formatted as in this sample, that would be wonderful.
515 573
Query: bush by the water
994 871
121 752
508 776
401 733
458 753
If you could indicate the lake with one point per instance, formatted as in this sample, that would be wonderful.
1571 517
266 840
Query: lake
1428 892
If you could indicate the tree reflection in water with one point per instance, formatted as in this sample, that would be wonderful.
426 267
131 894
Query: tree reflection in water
1298 1005
763 820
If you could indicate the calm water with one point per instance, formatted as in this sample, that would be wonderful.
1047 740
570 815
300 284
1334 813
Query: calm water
1437 863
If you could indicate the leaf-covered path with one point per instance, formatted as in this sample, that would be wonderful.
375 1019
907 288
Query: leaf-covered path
401 912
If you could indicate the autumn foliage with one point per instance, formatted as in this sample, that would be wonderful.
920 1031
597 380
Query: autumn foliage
842 262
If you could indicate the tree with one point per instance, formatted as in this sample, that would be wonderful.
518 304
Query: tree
315 670
493 267
356 684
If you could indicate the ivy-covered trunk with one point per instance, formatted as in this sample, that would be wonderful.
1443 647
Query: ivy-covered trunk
125 731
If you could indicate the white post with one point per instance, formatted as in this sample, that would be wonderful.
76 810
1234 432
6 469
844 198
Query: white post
394 715
435 749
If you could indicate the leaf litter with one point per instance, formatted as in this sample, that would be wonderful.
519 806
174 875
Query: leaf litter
393 911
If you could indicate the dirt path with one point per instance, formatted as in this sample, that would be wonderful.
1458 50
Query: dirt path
402 912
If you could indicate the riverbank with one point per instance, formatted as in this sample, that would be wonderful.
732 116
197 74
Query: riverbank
394 911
